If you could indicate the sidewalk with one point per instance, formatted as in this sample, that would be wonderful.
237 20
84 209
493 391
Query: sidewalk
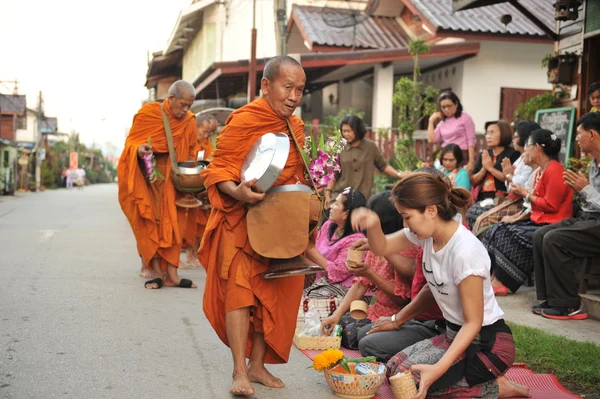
517 309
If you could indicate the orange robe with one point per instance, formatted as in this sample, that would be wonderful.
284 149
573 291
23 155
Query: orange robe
233 269
150 208
208 149
202 214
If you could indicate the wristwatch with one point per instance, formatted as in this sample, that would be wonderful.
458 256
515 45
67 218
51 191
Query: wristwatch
509 176
394 318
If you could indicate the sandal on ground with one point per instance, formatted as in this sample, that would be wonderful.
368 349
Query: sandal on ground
185 283
158 281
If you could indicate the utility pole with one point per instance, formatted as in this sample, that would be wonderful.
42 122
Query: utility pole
280 25
252 66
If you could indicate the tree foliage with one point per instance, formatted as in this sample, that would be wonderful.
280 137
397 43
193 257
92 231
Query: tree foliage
414 101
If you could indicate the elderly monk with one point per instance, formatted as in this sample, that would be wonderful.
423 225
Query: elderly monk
195 222
148 201
255 317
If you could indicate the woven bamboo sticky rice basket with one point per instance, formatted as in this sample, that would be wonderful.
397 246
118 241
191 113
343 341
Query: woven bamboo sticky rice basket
320 343
354 386
403 385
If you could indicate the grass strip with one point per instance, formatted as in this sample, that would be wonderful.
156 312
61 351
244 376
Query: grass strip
570 361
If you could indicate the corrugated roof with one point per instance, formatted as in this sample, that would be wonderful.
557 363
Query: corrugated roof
12 103
487 19
372 33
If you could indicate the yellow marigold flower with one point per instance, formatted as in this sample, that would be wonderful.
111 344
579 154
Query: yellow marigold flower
321 363
333 355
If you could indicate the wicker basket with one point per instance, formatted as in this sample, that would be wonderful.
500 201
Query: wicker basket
353 386
403 385
320 343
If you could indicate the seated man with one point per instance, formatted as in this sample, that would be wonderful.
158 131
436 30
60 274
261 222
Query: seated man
560 247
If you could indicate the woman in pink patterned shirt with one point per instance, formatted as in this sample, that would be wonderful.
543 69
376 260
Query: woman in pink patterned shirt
390 278
331 249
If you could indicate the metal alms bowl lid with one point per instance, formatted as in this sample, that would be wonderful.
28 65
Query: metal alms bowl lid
266 159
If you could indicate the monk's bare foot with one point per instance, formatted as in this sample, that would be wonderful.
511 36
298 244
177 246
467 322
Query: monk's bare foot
241 385
262 376
176 283
146 273
510 389
184 265
153 284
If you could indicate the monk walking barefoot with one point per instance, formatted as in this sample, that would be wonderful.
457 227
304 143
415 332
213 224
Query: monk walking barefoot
234 287
147 198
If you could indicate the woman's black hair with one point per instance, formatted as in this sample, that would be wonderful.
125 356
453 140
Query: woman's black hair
524 129
382 205
455 150
547 140
450 95
356 124
354 199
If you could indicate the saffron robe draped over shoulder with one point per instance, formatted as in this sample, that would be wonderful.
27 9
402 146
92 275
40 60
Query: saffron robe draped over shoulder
152 213
202 214
233 268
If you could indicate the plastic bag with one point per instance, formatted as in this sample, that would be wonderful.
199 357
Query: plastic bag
312 323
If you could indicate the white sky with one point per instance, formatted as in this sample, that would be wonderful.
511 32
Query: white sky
88 58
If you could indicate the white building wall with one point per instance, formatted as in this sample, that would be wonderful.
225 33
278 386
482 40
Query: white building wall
28 134
448 77
193 57
500 64
237 33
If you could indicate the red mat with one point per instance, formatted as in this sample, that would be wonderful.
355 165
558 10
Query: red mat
541 386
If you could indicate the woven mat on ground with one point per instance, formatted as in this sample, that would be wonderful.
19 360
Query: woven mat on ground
541 386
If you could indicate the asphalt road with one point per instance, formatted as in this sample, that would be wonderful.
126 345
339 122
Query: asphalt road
76 322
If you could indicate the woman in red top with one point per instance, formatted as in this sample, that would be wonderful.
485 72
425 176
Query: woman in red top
510 243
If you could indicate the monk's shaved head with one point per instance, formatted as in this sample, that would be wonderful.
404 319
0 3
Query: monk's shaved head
201 118
273 66
181 89
181 98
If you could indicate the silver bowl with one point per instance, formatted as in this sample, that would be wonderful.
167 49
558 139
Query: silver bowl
266 159
191 168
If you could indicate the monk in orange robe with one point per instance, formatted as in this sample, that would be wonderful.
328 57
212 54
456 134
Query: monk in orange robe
255 317
148 200
195 222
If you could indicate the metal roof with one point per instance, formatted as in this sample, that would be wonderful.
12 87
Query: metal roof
13 103
486 19
372 33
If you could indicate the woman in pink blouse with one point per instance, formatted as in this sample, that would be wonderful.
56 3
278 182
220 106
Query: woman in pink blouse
456 127
331 249
390 278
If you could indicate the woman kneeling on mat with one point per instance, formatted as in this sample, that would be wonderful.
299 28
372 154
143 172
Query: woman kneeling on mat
470 359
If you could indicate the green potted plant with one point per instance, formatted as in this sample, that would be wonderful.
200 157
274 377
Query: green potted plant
560 67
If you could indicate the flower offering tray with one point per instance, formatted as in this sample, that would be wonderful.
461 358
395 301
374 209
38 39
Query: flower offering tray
355 386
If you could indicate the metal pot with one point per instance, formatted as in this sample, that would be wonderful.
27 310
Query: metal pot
191 168
266 159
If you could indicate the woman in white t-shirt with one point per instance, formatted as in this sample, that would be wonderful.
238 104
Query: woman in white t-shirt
478 347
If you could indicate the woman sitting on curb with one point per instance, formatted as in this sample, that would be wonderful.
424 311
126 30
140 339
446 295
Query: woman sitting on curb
487 176
390 283
510 244
451 158
478 347
331 248
517 173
